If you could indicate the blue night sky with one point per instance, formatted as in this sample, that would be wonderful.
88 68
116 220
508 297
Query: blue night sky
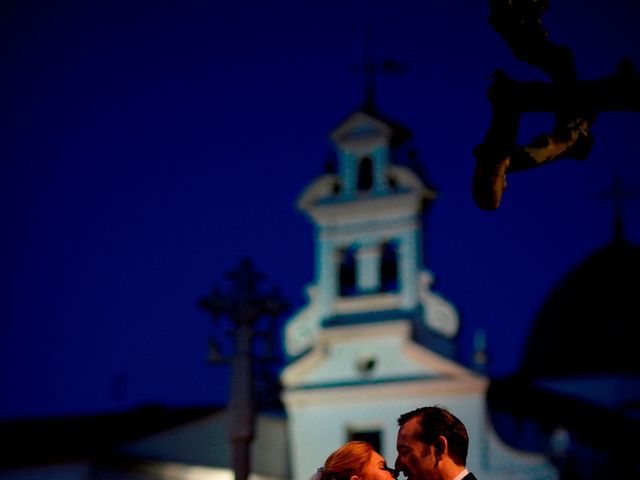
146 147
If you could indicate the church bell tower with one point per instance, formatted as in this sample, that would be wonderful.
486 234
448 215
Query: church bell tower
374 339
368 226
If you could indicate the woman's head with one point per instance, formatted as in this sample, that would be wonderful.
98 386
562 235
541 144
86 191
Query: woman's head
356 459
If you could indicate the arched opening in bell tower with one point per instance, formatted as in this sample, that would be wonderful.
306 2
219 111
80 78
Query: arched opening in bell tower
389 267
347 275
365 174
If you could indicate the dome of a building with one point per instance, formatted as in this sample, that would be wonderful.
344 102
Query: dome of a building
590 323
579 380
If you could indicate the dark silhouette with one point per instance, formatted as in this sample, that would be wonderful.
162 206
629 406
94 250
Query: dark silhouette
574 103
244 305
578 379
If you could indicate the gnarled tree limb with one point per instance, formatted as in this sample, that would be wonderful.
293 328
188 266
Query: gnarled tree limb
575 104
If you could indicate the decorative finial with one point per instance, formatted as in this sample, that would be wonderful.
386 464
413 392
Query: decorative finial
370 68
617 195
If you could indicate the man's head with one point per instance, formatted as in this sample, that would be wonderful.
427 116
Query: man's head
432 443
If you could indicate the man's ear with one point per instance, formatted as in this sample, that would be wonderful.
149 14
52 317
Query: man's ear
441 446
354 477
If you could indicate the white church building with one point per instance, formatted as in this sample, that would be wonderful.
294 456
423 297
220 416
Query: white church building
374 340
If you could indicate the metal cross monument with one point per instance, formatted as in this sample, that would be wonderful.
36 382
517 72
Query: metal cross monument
245 306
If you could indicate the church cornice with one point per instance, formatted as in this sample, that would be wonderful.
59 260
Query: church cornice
425 387
369 208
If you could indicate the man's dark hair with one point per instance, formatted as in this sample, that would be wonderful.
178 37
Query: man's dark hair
435 421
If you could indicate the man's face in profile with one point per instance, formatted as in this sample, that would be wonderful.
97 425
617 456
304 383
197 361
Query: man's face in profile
415 460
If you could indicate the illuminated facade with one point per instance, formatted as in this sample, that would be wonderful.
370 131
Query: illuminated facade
375 340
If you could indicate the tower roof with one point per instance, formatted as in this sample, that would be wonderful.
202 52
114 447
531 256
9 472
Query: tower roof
396 132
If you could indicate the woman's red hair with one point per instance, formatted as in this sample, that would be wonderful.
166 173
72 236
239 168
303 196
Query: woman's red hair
350 459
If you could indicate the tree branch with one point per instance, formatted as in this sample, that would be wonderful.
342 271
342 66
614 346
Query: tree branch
575 104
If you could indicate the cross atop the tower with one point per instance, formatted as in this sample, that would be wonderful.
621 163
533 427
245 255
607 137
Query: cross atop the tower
618 194
370 68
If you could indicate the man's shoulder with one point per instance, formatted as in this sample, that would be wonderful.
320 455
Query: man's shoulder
469 476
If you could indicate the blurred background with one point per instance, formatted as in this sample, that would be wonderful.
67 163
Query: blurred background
147 147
